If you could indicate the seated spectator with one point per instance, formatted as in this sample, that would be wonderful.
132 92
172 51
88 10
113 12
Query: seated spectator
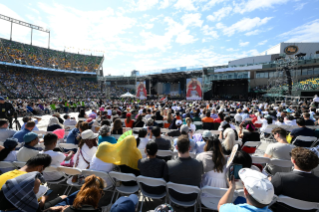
279 150
200 145
93 114
50 142
152 167
53 124
158 115
244 115
139 122
127 204
28 150
185 132
69 121
87 149
28 118
176 132
28 128
308 121
74 135
128 121
8 153
300 183
207 119
238 118
213 114
57 115
184 170
87 199
82 114
190 125
214 163
258 191
224 127
142 133
5 132
280 121
250 135
162 143
220 118
104 135
117 127
301 130
229 142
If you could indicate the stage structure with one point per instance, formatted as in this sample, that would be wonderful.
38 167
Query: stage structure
281 81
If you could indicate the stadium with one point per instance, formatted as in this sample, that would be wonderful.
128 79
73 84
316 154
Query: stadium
242 136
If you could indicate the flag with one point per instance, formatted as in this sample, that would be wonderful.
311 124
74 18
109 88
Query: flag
163 99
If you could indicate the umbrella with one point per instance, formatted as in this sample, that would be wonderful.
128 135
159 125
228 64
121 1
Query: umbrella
127 95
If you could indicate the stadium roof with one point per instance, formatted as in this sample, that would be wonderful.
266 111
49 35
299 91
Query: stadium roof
173 76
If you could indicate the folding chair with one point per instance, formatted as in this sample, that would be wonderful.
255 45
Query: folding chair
6 166
70 172
285 164
19 164
304 141
183 189
54 169
118 176
296 203
68 146
165 153
215 194
260 160
250 146
152 182
101 174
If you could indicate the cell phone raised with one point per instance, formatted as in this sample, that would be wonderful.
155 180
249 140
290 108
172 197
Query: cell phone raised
233 171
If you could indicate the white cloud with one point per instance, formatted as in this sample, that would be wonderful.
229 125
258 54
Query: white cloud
209 31
232 50
246 24
262 42
251 5
308 32
243 43
192 19
185 38
219 14
254 32
165 3
299 6
143 5
185 5
147 26
211 4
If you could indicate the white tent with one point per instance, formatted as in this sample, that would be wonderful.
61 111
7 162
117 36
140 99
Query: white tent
128 95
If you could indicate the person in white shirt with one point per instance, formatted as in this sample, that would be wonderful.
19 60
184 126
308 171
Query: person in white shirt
68 121
238 118
28 150
50 141
87 149
143 140
8 153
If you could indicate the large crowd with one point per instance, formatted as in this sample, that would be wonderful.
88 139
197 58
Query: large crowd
203 144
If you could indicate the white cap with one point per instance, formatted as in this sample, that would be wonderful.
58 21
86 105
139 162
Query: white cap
257 185
178 122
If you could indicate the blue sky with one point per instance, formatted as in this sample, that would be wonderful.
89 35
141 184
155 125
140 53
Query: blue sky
156 34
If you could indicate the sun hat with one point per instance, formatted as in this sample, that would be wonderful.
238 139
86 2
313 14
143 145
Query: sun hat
207 134
178 123
257 185
27 138
89 134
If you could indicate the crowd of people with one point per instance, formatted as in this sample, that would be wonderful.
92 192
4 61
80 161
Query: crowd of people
128 136
43 57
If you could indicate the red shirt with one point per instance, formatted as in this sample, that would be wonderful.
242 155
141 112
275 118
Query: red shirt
217 120
130 124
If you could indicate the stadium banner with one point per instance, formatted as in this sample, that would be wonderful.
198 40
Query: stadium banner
194 89
141 92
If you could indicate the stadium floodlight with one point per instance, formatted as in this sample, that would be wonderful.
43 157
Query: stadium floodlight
22 23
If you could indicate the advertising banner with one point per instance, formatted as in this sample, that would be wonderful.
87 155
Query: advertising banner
194 89
141 92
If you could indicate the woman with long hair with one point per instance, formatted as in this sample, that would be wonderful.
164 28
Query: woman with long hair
170 117
158 115
117 127
128 121
86 150
89 195
8 153
229 141
54 124
214 163
251 134
139 121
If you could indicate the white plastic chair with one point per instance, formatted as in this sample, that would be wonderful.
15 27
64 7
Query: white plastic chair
215 194
306 140
123 177
152 182
255 144
6 164
165 153
68 145
296 203
260 160
183 189
18 164
54 169
281 163
101 174
71 172
69 127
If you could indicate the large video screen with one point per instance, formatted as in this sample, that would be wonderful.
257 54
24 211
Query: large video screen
194 89
141 92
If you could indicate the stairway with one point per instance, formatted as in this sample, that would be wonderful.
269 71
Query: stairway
26 55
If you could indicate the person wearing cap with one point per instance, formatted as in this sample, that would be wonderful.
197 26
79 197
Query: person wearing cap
185 131
176 132
184 170
28 128
104 135
28 150
162 143
125 204
258 190
200 144
6 110
128 121
8 153
5 132
300 183
87 149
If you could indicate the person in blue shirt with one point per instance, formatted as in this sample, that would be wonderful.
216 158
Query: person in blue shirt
258 191
28 128
105 135
28 118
